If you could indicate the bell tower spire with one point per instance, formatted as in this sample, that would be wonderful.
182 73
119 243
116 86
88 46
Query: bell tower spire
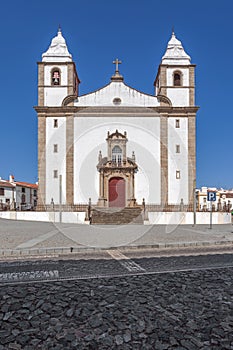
58 77
176 75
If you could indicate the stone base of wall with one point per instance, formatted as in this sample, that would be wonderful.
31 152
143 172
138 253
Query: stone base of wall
187 218
65 217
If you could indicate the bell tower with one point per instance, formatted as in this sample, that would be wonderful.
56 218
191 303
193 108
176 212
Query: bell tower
57 76
176 75
58 85
175 81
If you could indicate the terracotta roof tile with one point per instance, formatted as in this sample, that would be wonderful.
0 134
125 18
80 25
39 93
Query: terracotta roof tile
26 184
6 184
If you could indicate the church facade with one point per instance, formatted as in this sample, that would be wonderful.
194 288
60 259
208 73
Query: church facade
117 145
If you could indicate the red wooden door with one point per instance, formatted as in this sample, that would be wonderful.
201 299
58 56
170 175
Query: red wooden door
116 190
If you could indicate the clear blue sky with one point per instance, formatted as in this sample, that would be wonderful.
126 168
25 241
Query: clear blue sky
137 32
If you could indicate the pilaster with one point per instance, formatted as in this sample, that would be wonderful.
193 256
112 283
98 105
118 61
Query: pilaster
163 80
191 155
164 159
41 159
70 160
192 85
40 84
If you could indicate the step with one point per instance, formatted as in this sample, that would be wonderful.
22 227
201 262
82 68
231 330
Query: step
117 216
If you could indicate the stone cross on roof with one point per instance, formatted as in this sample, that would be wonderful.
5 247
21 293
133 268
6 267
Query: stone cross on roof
117 62
117 76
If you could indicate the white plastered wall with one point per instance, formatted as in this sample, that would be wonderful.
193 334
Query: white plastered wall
55 161
19 194
143 135
177 188
178 96
8 194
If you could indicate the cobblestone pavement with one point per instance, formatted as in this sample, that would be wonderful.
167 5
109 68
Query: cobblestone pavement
179 310
116 298
118 303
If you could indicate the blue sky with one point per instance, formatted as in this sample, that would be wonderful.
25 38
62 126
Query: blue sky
137 32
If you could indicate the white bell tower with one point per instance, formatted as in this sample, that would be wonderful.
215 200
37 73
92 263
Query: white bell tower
175 81
57 76
57 89
176 75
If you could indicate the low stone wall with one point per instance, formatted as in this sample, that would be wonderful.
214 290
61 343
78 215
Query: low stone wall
159 218
66 217
179 218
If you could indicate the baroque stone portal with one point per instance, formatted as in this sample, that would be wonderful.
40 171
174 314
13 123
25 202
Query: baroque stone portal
116 174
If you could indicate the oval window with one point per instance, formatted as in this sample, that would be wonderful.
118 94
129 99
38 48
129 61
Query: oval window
116 101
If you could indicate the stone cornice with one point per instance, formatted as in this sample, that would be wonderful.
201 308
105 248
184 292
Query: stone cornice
50 63
176 110
177 65
177 87
64 110
57 110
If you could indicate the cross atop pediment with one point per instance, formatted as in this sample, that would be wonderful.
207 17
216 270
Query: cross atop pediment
117 62
117 76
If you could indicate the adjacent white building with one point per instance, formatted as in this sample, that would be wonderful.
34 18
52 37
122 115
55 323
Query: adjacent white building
73 128
16 195
224 199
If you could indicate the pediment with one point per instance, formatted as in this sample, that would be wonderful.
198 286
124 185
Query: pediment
117 94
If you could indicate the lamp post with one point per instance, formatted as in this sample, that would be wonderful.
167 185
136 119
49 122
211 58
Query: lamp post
194 203
60 198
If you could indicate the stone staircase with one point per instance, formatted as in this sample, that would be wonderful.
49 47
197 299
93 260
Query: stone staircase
116 216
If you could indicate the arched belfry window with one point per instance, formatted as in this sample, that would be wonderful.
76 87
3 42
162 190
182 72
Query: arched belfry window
56 76
117 154
177 79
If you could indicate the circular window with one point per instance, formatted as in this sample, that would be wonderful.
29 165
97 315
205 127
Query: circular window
116 101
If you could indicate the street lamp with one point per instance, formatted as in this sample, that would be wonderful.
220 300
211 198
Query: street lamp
194 203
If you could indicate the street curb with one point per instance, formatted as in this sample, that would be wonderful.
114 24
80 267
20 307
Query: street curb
60 251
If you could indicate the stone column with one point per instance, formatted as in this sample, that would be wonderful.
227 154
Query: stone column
133 196
101 200
100 185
